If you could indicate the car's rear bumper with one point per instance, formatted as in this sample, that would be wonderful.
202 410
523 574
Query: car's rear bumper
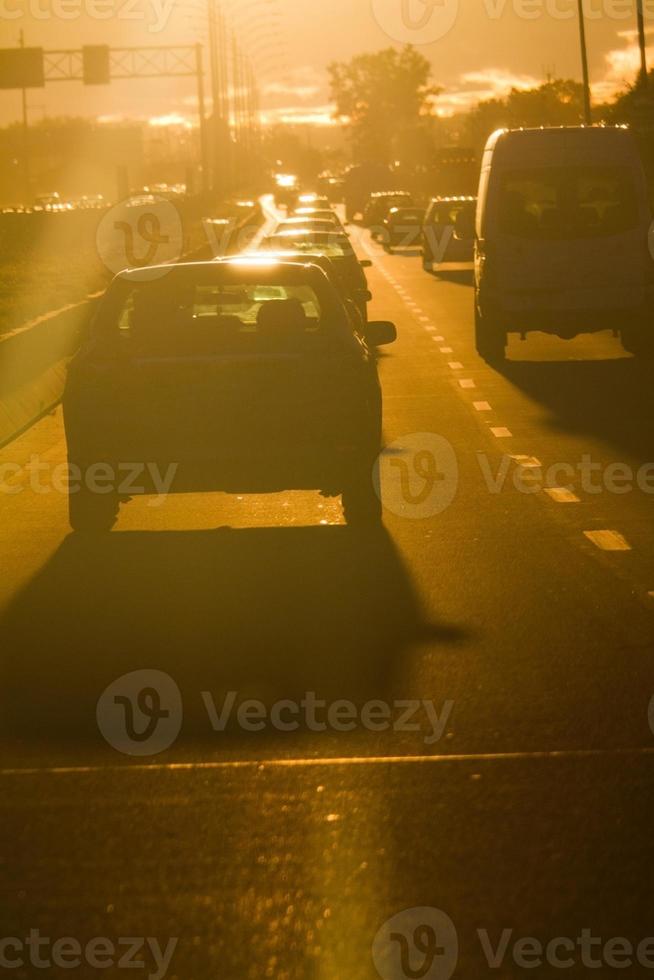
130 471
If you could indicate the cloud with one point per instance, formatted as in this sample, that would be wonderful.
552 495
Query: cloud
621 66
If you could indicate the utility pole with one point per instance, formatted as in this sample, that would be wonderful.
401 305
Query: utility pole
27 191
641 42
204 143
588 118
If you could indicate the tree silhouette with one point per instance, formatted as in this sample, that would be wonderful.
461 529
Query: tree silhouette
385 100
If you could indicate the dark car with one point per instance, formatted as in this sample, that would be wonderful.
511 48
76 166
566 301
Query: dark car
380 204
344 273
339 249
402 228
239 377
448 233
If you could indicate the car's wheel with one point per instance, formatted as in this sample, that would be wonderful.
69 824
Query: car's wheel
638 339
92 512
490 338
362 506
427 263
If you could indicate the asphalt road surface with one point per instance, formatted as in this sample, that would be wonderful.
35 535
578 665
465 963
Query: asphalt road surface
504 620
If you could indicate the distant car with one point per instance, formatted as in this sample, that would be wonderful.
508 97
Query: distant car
52 203
318 214
563 238
91 202
339 249
402 228
448 231
236 376
380 204
343 271
310 224
311 200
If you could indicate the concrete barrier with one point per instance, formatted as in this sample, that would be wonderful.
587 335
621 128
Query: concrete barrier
34 357
33 362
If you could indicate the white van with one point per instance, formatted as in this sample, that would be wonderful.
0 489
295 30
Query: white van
562 229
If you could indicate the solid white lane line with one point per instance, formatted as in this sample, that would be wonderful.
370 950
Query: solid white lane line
482 407
501 432
260 765
467 383
608 540
561 495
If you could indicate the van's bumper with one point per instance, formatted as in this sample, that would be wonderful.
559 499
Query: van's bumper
561 312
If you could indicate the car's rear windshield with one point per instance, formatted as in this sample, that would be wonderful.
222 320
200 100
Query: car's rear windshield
232 317
564 203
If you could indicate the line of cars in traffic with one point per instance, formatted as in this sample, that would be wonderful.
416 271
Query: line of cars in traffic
561 235
251 374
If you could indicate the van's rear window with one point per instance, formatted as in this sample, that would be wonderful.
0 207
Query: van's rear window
563 203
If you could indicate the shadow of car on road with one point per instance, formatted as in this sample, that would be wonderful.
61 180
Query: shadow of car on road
270 613
611 400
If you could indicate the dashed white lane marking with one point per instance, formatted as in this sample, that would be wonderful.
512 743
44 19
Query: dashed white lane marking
528 462
482 407
439 339
455 365
424 319
467 383
429 326
447 350
500 432
561 495
608 540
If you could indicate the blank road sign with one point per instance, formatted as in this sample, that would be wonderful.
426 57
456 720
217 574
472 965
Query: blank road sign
21 68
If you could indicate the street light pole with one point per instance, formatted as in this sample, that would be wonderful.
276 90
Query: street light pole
588 118
641 41
26 139
204 143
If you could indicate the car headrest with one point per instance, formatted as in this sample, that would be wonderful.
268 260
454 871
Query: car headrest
282 316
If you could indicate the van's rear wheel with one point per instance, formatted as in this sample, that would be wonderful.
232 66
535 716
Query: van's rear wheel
427 263
490 338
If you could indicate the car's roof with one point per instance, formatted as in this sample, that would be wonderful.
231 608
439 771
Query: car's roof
331 236
453 200
245 270
301 219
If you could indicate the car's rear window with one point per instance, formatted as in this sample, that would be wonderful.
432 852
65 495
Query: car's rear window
564 203
233 317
